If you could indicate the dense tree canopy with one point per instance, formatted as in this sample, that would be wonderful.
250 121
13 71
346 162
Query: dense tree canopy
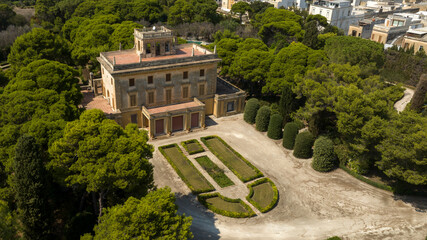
151 217
99 155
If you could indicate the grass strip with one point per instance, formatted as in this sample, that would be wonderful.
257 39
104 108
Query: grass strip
223 205
185 169
366 180
263 194
192 146
241 167
214 171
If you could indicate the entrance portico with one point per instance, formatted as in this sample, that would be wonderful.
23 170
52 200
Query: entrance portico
173 118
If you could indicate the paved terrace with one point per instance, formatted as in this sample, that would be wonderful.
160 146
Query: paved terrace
99 102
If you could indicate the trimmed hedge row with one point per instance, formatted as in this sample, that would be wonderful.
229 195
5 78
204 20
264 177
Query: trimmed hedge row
289 134
366 180
258 172
251 193
211 188
202 199
251 110
304 145
184 144
275 127
262 119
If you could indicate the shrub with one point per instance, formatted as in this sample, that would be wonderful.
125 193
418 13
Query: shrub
303 145
275 127
273 201
251 110
324 158
262 119
289 133
202 199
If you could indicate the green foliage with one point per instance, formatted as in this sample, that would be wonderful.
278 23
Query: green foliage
258 7
404 148
6 13
99 155
214 171
240 8
366 180
188 11
334 238
286 103
303 145
294 59
151 217
270 204
324 158
8 222
347 49
192 146
311 33
31 189
262 119
275 127
290 132
217 209
35 45
226 51
272 14
288 31
251 110
419 99
241 167
185 169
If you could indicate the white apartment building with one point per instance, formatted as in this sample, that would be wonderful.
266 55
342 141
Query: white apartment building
337 12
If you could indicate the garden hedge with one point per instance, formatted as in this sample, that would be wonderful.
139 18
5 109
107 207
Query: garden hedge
275 127
324 157
251 193
303 145
202 200
262 119
251 110
184 144
184 179
289 134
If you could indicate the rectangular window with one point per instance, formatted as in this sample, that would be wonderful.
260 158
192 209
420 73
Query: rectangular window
185 75
131 82
168 96
380 38
168 77
150 97
185 92
132 100
202 72
111 81
167 47
230 106
150 80
102 70
201 89
148 48
134 118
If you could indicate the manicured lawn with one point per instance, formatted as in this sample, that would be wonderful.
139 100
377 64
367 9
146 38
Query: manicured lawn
263 194
192 146
233 160
214 171
226 206
185 169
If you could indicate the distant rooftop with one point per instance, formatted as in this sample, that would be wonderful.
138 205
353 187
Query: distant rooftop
146 33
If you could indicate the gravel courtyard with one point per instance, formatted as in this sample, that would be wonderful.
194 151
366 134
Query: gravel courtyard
311 205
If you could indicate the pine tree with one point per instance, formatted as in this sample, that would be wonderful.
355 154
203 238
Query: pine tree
285 104
31 189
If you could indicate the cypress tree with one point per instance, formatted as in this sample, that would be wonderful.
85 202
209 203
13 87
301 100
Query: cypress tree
324 157
286 102
262 119
303 145
289 133
275 127
251 110
31 189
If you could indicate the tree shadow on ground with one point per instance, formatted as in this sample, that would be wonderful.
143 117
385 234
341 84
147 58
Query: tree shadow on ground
209 121
418 202
203 226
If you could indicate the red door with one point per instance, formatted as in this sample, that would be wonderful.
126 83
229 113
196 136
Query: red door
177 123
160 126
195 120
